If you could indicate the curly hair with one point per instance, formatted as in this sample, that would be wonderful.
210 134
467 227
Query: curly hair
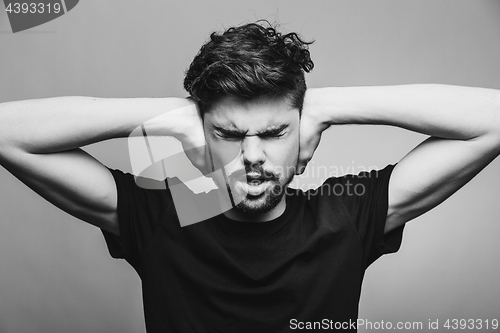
248 62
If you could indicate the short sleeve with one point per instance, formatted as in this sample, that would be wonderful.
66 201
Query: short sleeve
140 213
366 197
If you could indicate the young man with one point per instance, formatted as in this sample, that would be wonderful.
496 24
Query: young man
279 259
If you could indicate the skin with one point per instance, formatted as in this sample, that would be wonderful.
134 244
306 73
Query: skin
263 136
463 125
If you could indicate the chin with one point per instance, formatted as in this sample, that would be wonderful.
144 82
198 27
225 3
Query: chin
258 205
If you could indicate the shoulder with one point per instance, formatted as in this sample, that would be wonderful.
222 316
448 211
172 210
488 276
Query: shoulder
353 185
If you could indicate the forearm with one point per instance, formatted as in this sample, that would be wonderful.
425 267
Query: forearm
63 123
450 112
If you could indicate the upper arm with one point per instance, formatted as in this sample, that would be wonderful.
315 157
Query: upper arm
432 172
71 180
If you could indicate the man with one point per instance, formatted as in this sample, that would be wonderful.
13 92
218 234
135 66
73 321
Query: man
279 259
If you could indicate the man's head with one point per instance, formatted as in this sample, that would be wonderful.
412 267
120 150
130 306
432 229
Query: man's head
248 62
249 85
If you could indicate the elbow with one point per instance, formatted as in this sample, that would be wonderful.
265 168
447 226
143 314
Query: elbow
10 131
497 113
3 132
491 134
495 122
5 121
6 131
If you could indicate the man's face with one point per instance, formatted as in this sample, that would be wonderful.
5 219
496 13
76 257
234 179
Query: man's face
256 143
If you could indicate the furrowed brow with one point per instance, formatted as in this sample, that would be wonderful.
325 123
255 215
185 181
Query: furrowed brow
270 131
229 132
273 130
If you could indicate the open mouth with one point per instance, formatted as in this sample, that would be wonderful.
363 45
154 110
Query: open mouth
255 182
255 185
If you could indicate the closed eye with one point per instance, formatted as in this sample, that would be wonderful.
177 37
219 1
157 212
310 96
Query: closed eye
241 137
227 136
272 135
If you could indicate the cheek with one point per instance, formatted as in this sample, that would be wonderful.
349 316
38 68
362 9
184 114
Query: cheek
223 154
284 155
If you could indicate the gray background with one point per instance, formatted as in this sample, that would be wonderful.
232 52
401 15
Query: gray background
55 272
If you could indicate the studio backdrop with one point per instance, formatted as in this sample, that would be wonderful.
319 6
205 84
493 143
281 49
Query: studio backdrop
55 272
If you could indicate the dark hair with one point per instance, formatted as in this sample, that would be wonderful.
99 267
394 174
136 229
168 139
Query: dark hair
248 62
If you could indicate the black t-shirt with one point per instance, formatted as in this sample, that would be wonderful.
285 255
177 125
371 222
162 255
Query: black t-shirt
221 275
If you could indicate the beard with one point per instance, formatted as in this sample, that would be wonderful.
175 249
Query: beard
246 200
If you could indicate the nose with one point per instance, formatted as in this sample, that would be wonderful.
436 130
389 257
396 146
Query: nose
252 149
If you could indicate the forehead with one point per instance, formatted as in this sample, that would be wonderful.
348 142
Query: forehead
256 114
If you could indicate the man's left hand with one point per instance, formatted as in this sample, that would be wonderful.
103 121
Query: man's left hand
311 127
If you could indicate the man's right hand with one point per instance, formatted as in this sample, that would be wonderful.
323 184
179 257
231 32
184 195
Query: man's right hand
193 140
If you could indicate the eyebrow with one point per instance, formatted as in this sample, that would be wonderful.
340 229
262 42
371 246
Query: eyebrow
272 130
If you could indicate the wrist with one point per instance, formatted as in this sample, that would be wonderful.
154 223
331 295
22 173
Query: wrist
345 105
185 121
172 117
319 105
